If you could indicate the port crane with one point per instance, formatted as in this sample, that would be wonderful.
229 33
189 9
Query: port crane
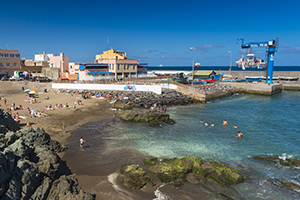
272 47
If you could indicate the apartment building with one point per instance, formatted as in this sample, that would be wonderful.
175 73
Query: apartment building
9 61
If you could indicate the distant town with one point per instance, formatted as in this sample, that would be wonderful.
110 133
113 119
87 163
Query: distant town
111 64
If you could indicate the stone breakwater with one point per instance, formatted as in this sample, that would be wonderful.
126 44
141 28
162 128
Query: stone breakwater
30 167
141 99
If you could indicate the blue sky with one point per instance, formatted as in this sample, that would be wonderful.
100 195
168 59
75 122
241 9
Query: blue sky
158 32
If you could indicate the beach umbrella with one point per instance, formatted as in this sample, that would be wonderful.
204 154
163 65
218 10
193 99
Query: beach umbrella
27 90
32 90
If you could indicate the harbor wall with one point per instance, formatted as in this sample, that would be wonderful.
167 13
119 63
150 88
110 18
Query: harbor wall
242 74
72 86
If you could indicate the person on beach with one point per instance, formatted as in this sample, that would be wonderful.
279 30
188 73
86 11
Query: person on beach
27 125
239 135
235 127
64 127
225 123
81 141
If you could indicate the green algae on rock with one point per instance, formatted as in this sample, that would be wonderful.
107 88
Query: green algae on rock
289 162
177 170
153 118
134 177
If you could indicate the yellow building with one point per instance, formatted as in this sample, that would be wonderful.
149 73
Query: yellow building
118 64
110 55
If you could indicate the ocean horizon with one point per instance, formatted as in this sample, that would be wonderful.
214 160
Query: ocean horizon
221 68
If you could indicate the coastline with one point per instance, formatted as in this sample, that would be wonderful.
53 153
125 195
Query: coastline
104 185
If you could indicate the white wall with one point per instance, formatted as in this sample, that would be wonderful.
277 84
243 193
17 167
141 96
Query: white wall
72 86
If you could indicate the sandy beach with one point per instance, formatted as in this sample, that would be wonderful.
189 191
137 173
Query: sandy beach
102 182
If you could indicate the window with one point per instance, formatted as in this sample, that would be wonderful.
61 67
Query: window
109 66
1 64
124 66
17 55
6 55
11 55
118 66
128 67
15 64
113 66
7 64
1 55
133 67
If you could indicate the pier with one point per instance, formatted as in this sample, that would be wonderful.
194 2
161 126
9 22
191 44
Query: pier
256 88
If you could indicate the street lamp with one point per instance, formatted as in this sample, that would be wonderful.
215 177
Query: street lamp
193 48
230 60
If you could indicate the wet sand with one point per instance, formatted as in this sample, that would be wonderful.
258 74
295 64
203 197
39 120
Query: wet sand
96 173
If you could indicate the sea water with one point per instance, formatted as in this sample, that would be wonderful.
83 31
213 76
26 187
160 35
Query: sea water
270 126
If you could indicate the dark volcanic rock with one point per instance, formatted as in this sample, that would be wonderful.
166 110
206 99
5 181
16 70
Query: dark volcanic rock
134 177
290 162
153 118
30 167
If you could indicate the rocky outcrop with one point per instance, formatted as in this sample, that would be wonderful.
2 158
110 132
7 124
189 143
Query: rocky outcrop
134 177
177 170
290 162
211 179
139 99
30 167
153 118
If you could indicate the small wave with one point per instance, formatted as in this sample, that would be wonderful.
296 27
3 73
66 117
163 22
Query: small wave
284 156
159 195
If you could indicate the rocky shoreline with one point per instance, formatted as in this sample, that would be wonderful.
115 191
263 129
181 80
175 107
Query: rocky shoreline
30 166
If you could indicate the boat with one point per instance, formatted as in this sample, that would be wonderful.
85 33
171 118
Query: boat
283 78
253 78
250 61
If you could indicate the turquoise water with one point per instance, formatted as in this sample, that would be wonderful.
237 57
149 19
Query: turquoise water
269 124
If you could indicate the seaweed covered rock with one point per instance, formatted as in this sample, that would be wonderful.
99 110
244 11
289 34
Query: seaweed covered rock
134 177
290 162
176 170
153 118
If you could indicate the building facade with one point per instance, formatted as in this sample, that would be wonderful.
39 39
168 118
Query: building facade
43 57
61 62
9 61
118 64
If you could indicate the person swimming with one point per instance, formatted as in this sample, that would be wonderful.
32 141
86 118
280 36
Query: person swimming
225 123
239 135
212 125
235 127
202 121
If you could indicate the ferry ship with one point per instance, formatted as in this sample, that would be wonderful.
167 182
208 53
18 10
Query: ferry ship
250 61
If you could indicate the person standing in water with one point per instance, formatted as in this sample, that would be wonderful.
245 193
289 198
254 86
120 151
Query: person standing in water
81 141
239 135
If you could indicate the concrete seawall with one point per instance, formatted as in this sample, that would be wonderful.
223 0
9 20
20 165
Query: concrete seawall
259 88
242 74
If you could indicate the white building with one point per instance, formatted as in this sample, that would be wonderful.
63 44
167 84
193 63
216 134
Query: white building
42 57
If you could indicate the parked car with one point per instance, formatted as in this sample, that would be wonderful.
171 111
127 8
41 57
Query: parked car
5 78
14 78
41 79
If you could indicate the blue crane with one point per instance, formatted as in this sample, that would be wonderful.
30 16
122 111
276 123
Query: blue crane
272 47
